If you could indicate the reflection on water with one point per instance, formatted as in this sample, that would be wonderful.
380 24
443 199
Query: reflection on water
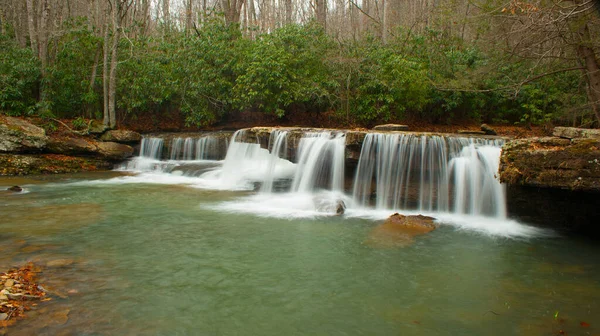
140 259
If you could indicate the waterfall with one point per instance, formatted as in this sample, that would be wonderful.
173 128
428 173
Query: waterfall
188 149
320 162
151 148
176 147
207 148
278 146
405 171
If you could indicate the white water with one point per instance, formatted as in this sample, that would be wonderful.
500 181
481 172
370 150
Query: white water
430 173
452 179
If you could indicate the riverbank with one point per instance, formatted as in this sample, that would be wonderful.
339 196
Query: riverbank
26 148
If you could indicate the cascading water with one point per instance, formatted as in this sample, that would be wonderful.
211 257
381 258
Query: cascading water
151 147
320 162
451 178
278 146
176 147
404 171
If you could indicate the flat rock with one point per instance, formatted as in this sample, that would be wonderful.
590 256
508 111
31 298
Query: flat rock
72 145
471 132
114 151
391 127
121 136
17 135
3 316
551 162
399 230
574 133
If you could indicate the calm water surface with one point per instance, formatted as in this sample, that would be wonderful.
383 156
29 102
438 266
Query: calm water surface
146 259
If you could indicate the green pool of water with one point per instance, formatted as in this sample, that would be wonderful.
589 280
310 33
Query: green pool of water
143 259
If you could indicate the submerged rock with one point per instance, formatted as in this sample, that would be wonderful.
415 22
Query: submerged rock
17 135
399 230
330 206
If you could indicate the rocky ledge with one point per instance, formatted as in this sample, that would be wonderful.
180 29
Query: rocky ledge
26 149
569 160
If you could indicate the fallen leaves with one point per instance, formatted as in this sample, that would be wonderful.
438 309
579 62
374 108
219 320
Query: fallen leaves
18 293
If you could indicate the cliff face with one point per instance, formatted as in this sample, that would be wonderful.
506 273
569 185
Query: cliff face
27 149
553 162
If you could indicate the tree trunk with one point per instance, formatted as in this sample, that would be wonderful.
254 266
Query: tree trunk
232 10
105 92
43 48
321 7
592 70
384 21
188 16
288 11
112 82
31 25
93 76
166 15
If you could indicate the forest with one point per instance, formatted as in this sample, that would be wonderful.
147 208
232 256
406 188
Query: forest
356 62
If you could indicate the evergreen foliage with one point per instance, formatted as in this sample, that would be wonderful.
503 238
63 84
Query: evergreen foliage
217 72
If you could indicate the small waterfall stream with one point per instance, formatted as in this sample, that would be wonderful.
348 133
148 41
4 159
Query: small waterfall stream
429 173
395 171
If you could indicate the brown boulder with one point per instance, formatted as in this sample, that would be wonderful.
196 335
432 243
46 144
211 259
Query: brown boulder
121 136
573 133
398 230
114 151
391 127
71 145
17 135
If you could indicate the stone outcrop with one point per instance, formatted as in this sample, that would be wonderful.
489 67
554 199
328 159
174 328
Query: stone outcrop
11 164
71 145
58 153
121 136
552 162
391 127
399 230
488 130
575 133
114 151
17 135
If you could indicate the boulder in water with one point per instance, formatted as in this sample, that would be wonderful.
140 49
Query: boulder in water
15 189
329 205
398 230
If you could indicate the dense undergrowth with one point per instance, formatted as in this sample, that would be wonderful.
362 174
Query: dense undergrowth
216 73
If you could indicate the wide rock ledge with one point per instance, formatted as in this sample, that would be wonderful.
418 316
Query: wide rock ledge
552 163
574 133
